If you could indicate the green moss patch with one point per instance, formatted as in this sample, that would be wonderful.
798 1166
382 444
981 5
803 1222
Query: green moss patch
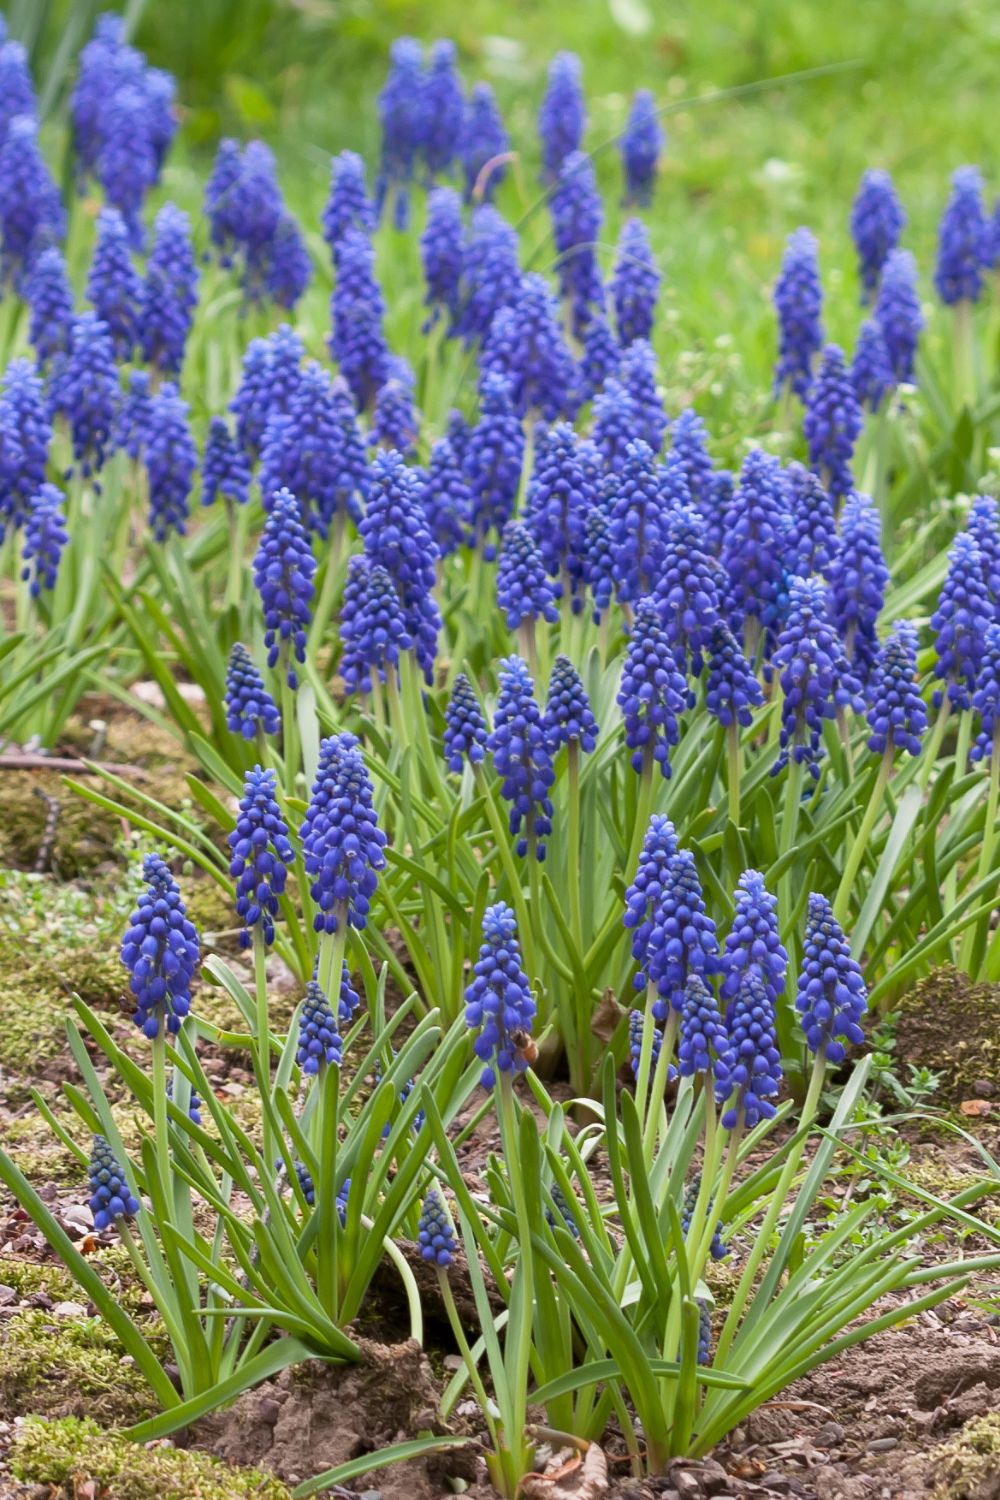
69 1453
966 1468
54 1365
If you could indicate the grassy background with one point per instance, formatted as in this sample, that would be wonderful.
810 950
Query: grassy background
913 95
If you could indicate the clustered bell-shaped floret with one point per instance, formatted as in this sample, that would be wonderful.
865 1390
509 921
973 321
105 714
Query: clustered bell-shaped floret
483 139
752 944
283 572
261 855
524 592
372 626
562 117
343 846
704 1045
635 283
640 146
498 1003
831 996
719 1251
732 691
465 732
755 1074
319 1039
959 621
858 578
871 372
653 693
348 205
577 216
986 698
45 536
642 898
963 240
435 1235
224 468
636 1031
50 299
832 422
681 939
798 301
249 706
160 951
568 718
639 378
898 314
111 1197
877 220
897 714
816 679
522 757
171 462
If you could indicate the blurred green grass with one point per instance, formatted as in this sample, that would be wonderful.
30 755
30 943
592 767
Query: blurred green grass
738 174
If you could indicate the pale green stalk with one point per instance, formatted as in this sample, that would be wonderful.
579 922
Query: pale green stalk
860 843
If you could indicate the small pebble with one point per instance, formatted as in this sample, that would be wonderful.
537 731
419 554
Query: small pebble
830 1435
883 1445
7 1295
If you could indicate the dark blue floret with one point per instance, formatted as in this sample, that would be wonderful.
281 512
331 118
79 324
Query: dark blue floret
877 221
114 286
752 944
442 104
897 714
261 855
50 299
357 308
832 422
560 498
688 456
319 1040
719 1251
491 272
755 1074
616 422
871 372
85 390
343 845
31 211
283 576
601 359
396 537
17 92
636 1031
638 376
812 543
858 580
562 117
45 536
986 698
524 592
224 468
653 692
521 756
498 1002
269 381
638 520
635 283
984 527
400 107
111 1197
577 216
687 590
816 680
441 254
963 240
568 715
289 269
567 1217
171 463
652 877
372 626
732 692
959 623
525 343
898 314
446 497
680 940
395 419
465 732
249 706
798 301
493 461
133 420
640 146
160 951
483 139
25 435
831 996
219 201
169 294
753 548
348 206
599 561
435 1235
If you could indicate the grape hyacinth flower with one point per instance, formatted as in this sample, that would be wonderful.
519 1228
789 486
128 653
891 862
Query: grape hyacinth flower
498 1003
816 680
45 536
755 1075
17 92
681 938
638 376
114 286
599 565
169 294
465 732
831 995
615 424
719 1251
959 624
220 200
25 435
357 307
442 105
372 626
482 143
963 238
577 215
491 272
525 343
319 1042
871 372
832 423
897 714
640 145
435 1235
395 421
568 719
50 299
652 693
441 255
395 536
126 165
636 1031
798 301
307 1187
688 456
111 1197
171 463
283 575
493 463
898 314
732 691
261 855
31 211
269 382
635 283
986 698
659 848
522 757
564 1210
638 523
877 220
224 468
400 111
752 945
133 420
812 543
446 497
524 593
194 1102
289 267
250 709
703 1045
753 548
983 526
343 846
160 951
559 499
601 359
85 390
858 581
562 117
687 590
348 206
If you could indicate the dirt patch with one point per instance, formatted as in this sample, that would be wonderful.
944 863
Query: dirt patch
949 1024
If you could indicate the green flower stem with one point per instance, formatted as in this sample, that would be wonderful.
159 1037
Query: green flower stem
160 1129
974 941
645 1053
962 741
238 522
397 714
860 844
734 760
574 862
644 808
932 749
709 1167
326 1125
330 586
786 886
332 946
522 1299
845 740
526 643
289 728
656 1114
378 702
762 1242
475 1379
262 1039
502 841
963 346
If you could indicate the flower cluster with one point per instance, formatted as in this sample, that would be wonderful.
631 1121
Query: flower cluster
45 536
319 1040
635 283
224 467
522 757
897 715
652 693
568 718
171 462
640 146
160 951
963 607
832 422
877 220
986 698
831 996
111 1197
524 592
343 846
562 117
261 854
498 1003
169 294
435 1235
283 575
481 143
465 732
372 626
250 709
816 680
798 301
577 215
962 240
